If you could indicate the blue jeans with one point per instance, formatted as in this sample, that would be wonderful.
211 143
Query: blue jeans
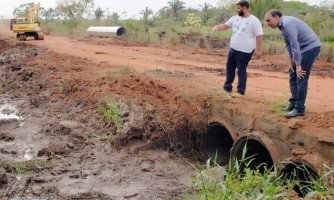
298 86
237 60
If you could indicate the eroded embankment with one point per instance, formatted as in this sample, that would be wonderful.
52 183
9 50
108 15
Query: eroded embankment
70 145
62 147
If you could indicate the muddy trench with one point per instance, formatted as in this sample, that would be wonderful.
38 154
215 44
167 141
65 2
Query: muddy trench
54 144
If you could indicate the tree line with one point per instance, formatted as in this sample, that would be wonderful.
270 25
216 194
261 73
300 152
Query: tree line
77 10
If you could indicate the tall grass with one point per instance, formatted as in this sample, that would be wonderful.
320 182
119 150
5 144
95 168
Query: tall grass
239 182
273 48
251 184
327 52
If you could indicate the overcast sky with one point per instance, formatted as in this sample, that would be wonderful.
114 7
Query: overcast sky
131 7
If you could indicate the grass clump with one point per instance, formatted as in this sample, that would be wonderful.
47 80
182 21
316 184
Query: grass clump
29 167
324 186
111 113
327 52
250 184
277 107
127 70
238 182
22 168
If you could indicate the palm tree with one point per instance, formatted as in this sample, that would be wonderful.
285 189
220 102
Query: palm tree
176 6
146 13
205 10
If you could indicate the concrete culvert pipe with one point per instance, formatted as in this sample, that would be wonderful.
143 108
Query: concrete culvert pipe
106 31
300 170
217 143
262 151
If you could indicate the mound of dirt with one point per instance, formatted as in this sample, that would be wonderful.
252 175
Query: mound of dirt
77 152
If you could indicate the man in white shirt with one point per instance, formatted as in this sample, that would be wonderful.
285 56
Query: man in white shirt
246 37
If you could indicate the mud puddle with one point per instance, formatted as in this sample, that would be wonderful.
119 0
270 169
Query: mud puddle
9 113
53 144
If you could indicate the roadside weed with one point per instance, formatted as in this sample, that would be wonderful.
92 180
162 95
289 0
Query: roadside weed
111 113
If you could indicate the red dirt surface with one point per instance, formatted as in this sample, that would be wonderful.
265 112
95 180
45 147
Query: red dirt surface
169 93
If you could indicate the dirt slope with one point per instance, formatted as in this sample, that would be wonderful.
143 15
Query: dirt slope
62 148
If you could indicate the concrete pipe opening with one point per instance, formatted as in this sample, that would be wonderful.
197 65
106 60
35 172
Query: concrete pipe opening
217 143
121 31
257 155
106 31
303 173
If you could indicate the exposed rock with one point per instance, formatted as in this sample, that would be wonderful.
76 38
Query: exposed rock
298 152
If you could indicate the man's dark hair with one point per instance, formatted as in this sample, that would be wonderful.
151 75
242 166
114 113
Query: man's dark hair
243 3
275 13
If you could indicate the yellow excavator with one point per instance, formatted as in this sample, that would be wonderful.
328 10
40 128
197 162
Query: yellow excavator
28 26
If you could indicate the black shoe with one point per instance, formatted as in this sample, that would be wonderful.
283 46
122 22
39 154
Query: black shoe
294 113
228 90
289 108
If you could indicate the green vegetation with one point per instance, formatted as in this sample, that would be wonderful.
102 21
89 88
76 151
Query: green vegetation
260 7
175 19
29 167
111 113
193 21
277 107
327 52
320 185
238 181
21 168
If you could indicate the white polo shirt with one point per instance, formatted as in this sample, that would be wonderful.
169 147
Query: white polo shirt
244 32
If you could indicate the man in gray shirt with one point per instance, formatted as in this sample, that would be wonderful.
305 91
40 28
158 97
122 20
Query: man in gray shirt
303 46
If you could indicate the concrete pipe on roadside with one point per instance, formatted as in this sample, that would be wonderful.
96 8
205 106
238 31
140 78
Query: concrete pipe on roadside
106 31
262 150
299 169
218 141
265 153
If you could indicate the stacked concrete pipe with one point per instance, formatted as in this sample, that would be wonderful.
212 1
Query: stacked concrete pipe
267 152
222 141
218 141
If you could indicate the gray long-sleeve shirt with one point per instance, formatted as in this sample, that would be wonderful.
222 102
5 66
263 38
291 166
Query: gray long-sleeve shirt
298 36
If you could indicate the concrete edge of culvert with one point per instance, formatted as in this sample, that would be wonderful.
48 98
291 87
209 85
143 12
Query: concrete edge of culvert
261 149
217 141
106 31
298 169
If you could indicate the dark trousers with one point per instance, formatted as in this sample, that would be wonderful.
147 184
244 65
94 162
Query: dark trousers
298 86
237 60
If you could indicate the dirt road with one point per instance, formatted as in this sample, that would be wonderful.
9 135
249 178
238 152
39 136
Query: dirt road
267 76
61 148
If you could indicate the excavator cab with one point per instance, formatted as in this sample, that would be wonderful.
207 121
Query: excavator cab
28 26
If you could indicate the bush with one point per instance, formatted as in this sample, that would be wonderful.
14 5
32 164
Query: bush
193 21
